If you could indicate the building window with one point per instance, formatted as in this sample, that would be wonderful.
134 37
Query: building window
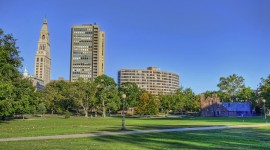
43 37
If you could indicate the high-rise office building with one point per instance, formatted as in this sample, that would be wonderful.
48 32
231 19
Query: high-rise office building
87 52
43 57
152 80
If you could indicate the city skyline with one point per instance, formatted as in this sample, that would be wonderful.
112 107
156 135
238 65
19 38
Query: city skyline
201 41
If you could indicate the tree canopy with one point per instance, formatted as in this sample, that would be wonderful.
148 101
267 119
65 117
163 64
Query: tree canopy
17 95
231 85
107 93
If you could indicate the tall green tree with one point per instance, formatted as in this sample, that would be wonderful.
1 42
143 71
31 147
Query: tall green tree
246 94
91 91
191 100
84 94
265 90
166 103
179 101
16 94
132 92
107 93
10 61
41 109
58 96
147 105
231 85
50 96
25 97
6 99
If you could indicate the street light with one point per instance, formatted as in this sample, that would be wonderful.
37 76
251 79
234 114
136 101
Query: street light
123 112
264 108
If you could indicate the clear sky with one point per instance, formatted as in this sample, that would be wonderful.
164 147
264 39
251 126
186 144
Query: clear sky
201 40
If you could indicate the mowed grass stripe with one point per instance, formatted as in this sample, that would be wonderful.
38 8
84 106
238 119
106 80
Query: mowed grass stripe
57 125
239 139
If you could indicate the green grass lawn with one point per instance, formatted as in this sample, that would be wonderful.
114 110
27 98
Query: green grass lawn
251 138
54 124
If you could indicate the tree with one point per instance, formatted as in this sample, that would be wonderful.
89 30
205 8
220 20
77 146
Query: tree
16 94
58 96
41 109
25 97
107 93
191 100
6 108
166 103
132 92
264 90
142 105
231 85
178 102
91 91
10 60
50 96
246 94
148 105
84 93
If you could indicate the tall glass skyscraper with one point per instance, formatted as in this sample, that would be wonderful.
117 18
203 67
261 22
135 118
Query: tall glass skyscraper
87 52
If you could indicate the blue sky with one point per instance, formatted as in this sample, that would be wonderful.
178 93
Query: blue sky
201 40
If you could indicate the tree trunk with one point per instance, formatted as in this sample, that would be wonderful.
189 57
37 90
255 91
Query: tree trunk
103 109
91 115
85 113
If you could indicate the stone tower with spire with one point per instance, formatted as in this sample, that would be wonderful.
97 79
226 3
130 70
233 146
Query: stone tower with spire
43 57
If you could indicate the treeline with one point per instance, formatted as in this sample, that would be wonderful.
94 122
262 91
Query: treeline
102 96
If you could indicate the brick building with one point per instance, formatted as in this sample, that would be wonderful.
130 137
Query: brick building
212 107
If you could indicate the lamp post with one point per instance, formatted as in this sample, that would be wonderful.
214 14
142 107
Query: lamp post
264 108
123 112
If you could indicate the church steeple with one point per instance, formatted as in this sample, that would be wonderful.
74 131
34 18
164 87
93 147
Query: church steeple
43 57
25 73
44 25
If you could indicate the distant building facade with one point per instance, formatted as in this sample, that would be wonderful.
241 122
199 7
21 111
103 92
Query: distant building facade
152 80
212 107
87 52
38 83
43 57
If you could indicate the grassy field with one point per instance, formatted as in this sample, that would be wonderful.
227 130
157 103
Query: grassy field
256 138
54 125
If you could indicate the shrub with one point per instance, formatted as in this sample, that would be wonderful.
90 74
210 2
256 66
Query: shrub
67 114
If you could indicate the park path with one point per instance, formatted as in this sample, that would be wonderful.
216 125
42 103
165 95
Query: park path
129 132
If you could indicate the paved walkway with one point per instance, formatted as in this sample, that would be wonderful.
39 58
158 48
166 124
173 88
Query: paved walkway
128 132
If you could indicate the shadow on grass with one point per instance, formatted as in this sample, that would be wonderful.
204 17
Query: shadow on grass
214 139
4 122
149 127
